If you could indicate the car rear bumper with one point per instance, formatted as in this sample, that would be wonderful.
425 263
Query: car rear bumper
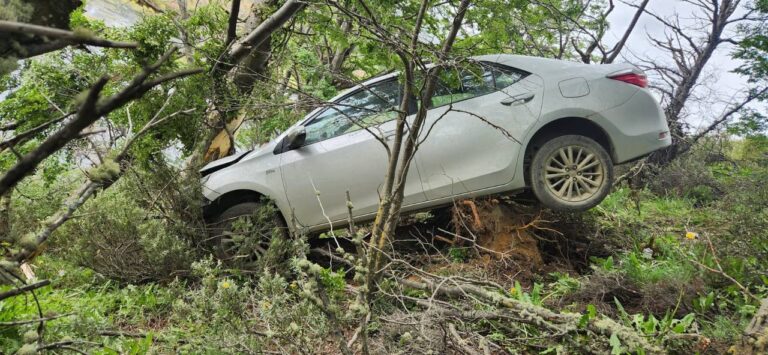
636 128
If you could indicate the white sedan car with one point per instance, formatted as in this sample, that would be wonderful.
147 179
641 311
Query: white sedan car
554 126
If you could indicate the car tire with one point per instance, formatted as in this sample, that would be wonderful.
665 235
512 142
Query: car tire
241 235
571 173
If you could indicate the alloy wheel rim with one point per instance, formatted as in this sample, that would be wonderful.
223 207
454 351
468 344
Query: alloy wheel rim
247 242
574 173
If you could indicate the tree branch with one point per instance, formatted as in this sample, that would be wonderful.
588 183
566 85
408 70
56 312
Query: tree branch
265 29
232 26
90 111
25 288
22 137
89 188
727 114
62 38
614 52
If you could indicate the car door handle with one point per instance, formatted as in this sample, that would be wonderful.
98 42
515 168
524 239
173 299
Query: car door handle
518 99
388 135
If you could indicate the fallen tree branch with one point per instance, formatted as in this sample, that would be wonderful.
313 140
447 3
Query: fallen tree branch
555 322
138 335
30 321
66 345
117 333
461 342
560 323
720 271
23 289
89 188
729 277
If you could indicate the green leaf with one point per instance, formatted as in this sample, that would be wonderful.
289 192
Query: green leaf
590 314
615 344
622 312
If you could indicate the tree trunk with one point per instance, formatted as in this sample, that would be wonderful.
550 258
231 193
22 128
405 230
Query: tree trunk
339 56
689 77
244 64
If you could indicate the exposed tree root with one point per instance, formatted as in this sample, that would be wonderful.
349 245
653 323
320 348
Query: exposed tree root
498 229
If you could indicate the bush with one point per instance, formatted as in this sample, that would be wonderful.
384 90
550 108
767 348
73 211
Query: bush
690 176
117 238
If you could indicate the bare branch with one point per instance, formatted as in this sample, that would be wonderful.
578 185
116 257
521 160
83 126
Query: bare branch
614 52
728 114
30 321
22 137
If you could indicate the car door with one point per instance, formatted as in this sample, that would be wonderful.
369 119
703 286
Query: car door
342 154
478 117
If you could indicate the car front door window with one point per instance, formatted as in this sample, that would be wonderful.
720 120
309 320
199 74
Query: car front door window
320 177
367 107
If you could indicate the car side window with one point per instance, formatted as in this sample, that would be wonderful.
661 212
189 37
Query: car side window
473 81
461 84
506 76
367 107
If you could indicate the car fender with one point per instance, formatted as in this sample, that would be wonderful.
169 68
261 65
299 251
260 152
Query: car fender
549 117
230 180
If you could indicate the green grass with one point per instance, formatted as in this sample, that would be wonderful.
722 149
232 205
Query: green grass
87 310
215 313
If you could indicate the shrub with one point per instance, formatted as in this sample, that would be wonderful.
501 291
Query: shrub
690 176
117 238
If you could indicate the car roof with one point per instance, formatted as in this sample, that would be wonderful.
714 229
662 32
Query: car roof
536 65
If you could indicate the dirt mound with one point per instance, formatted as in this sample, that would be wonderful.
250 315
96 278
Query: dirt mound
497 229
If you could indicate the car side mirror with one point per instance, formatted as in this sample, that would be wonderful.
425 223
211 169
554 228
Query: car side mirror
295 139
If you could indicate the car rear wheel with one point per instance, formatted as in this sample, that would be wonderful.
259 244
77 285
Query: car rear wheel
242 234
571 173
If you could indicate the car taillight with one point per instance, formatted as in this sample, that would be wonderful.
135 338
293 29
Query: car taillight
632 78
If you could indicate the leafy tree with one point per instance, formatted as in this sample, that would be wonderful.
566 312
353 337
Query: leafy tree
753 50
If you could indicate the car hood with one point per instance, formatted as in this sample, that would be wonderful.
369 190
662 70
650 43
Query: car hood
222 163
233 159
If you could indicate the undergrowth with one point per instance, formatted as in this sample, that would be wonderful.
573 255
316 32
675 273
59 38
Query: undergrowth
675 261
